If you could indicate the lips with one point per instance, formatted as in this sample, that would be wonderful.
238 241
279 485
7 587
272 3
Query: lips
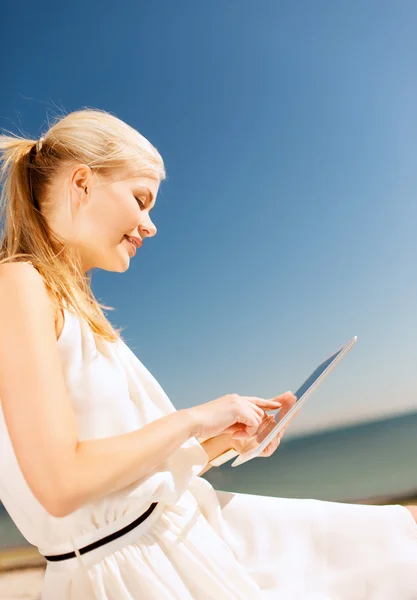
132 247
137 242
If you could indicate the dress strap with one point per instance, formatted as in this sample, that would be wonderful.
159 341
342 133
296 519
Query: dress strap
83 567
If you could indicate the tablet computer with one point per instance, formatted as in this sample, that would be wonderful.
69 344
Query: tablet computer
266 434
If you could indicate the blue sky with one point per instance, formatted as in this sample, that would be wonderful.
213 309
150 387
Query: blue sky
287 222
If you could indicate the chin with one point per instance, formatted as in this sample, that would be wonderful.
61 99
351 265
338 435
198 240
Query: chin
115 269
120 266
115 264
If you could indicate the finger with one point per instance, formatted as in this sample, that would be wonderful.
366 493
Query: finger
241 433
252 429
248 415
270 422
274 443
257 410
285 427
245 403
267 450
287 406
241 430
234 428
271 447
265 428
251 419
285 397
266 404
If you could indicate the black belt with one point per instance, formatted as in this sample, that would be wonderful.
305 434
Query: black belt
105 540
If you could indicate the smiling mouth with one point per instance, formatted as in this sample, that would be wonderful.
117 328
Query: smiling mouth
132 246
136 242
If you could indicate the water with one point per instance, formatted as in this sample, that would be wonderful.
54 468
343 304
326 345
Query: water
371 460
377 459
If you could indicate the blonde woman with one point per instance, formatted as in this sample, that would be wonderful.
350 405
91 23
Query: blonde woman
97 468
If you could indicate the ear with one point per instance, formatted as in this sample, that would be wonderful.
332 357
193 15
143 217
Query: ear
80 179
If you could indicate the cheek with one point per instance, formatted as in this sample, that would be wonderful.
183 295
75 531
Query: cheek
123 216
108 225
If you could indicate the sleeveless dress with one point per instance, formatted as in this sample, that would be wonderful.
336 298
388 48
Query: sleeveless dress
199 543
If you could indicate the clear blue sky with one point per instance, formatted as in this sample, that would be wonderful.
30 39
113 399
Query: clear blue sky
288 220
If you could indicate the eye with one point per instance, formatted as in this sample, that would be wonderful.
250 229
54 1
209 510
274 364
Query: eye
141 203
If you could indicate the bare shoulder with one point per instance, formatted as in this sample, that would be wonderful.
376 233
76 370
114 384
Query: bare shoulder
20 277
22 288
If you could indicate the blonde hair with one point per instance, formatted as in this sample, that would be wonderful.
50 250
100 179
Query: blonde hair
28 168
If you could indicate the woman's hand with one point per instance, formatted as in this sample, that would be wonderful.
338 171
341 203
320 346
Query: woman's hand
240 442
230 414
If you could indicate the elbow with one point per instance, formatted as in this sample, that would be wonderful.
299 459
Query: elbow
58 506
55 503
64 496
58 509
55 487
59 501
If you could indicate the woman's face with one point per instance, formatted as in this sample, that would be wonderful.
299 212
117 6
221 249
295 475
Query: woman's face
102 214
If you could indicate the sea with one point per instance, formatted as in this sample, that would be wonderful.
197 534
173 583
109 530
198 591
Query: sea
373 460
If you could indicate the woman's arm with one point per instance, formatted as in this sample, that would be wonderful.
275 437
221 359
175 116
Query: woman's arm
62 472
100 467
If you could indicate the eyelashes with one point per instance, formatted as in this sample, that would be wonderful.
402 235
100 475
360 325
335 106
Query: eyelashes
141 203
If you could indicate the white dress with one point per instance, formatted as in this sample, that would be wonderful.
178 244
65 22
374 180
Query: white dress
199 543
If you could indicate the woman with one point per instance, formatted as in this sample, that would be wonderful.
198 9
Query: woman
97 468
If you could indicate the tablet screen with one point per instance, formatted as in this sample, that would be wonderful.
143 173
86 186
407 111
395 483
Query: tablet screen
267 433
314 376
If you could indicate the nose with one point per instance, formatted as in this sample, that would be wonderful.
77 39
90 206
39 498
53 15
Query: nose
147 228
